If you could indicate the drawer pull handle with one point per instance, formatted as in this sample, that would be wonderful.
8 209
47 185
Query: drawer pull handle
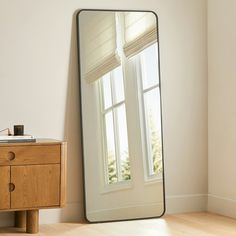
11 187
11 156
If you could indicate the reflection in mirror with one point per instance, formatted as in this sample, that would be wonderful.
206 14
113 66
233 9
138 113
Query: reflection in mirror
121 115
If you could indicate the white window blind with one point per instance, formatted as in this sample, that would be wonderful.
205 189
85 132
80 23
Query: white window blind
98 44
140 32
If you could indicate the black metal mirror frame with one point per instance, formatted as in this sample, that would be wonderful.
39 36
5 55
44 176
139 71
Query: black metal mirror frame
81 124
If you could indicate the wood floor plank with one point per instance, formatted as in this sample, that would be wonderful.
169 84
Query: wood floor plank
190 224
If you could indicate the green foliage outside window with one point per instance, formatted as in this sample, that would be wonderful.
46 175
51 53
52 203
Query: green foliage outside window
112 170
125 164
112 173
157 152
155 145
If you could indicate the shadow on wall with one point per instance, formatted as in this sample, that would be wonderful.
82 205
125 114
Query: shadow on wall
6 219
72 134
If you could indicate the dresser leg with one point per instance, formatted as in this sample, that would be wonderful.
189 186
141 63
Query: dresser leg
20 219
32 221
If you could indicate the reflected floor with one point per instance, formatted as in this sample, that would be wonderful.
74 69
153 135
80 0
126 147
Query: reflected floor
196 224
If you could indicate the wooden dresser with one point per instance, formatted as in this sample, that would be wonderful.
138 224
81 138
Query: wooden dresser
32 177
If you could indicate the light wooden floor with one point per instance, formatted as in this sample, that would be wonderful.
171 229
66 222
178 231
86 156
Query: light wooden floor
191 224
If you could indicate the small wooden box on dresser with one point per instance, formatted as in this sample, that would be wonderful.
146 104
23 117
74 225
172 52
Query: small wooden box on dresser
32 177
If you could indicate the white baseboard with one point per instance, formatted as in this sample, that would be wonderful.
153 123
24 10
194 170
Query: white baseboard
186 203
72 212
221 205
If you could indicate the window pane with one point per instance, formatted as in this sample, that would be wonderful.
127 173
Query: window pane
123 143
153 122
149 64
106 89
118 85
110 144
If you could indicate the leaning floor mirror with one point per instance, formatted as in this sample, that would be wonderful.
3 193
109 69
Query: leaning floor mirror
121 115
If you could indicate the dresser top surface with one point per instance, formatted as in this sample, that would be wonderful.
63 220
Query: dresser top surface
40 141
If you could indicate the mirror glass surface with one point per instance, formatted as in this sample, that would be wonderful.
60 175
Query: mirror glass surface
121 114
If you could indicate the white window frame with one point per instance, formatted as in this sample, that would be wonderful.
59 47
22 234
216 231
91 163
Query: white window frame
148 167
120 183
150 176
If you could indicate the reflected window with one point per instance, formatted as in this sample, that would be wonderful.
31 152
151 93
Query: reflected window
113 109
150 105
150 110
117 164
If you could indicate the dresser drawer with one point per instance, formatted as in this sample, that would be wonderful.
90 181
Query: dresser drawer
26 155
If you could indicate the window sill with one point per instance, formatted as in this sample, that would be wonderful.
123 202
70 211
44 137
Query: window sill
120 186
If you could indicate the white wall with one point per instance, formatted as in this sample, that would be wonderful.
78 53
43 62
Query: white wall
39 88
222 109
184 92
